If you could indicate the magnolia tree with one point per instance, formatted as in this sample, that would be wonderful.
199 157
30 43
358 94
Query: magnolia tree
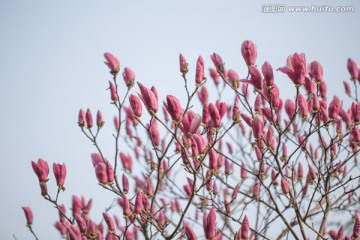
256 167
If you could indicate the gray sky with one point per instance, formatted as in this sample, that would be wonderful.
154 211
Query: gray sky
51 65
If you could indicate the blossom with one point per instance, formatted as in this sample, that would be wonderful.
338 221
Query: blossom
316 71
81 118
129 77
89 119
353 69
173 107
183 64
199 76
218 62
41 169
249 52
99 119
135 105
60 174
295 68
112 62
149 98
28 215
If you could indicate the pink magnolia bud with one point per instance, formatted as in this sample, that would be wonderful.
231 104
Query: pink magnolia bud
236 111
203 95
268 74
311 176
295 68
60 174
227 167
340 233
212 160
303 106
210 231
255 78
323 90
89 119
113 92
61 228
258 126
249 52
221 106
28 215
236 191
41 169
112 62
149 189
76 206
356 230
285 186
214 75
300 172
256 191
101 174
247 119
81 223
273 178
218 62
99 119
109 172
173 106
335 107
154 133
245 91
195 123
149 98
138 203
199 76
347 88
257 103
310 86
187 190
209 184
96 158
316 71
125 183
355 112
214 114
290 108
332 234
117 123
353 69
129 77
82 118
215 189
109 222
126 161
126 206
135 105
243 171
183 64
301 141
244 229
190 234
161 218
233 78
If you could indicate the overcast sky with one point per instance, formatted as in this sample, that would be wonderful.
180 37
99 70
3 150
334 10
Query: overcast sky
51 65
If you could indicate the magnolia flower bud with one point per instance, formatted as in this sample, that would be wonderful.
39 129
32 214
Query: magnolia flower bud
249 52
129 77
28 215
112 62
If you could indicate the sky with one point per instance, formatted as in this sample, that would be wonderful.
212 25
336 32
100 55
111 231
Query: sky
51 65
